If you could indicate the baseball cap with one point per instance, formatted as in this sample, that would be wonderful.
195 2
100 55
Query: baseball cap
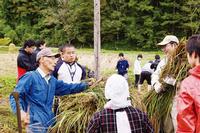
46 52
168 39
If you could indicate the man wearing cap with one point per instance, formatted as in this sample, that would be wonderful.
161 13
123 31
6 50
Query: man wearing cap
118 115
168 46
37 90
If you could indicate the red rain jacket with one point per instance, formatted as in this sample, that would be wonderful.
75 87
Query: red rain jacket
188 103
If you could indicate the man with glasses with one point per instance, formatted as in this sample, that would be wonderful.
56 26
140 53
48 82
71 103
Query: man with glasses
168 46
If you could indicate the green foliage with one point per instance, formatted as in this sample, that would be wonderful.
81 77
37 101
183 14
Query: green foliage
135 24
7 85
4 41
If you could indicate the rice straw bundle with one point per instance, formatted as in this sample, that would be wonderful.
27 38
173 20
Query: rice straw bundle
158 106
76 111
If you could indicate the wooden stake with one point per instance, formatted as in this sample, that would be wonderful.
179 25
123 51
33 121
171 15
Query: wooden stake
97 38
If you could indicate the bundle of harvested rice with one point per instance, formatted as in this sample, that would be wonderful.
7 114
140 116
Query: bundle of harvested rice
159 106
76 110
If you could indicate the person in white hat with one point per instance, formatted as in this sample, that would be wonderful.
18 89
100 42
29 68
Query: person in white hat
168 46
118 115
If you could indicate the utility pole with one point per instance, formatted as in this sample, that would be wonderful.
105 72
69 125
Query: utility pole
97 38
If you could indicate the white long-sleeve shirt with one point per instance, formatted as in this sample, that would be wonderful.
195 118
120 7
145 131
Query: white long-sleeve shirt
137 67
156 75
147 67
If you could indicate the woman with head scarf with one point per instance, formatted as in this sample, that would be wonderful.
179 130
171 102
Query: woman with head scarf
118 115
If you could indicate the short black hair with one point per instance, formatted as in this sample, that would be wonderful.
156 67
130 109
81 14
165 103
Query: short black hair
60 48
67 45
29 43
121 54
39 43
193 45
139 55
157 57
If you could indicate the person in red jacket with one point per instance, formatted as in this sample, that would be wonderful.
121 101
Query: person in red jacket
25 61
188 100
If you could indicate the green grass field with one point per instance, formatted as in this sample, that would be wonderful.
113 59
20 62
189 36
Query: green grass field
8 74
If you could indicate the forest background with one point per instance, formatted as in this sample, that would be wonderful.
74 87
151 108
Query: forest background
125 24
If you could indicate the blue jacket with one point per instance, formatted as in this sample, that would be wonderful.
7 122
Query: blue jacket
122 66
38 96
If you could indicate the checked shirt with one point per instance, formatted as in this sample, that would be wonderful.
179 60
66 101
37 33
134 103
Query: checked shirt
105 121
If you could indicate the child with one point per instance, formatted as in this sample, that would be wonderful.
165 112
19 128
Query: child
188 100
122 66
146 75
137 69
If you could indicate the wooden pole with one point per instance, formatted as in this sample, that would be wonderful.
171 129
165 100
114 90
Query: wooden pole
97 38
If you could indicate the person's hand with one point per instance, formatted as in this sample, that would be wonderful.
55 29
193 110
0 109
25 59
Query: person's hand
158 87
90 81
169 80
25 117
95 82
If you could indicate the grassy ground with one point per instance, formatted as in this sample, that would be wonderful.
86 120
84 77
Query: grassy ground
8 72
7 119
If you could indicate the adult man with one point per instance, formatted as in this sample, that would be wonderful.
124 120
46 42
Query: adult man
168 46
188 100
67 69
37 90
25 60
118 115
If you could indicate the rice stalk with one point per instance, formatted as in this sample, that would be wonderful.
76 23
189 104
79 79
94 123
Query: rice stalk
76 110
159 106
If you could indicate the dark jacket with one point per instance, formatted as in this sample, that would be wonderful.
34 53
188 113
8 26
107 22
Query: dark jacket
25 62
122 67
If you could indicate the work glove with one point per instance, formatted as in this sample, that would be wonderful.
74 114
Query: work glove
170 80
158 87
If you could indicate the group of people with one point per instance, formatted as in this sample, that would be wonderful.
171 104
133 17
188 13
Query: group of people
44 76
38 88
145 72
140 73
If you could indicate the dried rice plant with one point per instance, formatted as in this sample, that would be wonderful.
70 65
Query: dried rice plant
159 106
76 110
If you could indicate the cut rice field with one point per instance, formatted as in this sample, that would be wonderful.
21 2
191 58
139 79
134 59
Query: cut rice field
108 59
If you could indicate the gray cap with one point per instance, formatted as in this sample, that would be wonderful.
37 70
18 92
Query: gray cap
46 52
168 39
